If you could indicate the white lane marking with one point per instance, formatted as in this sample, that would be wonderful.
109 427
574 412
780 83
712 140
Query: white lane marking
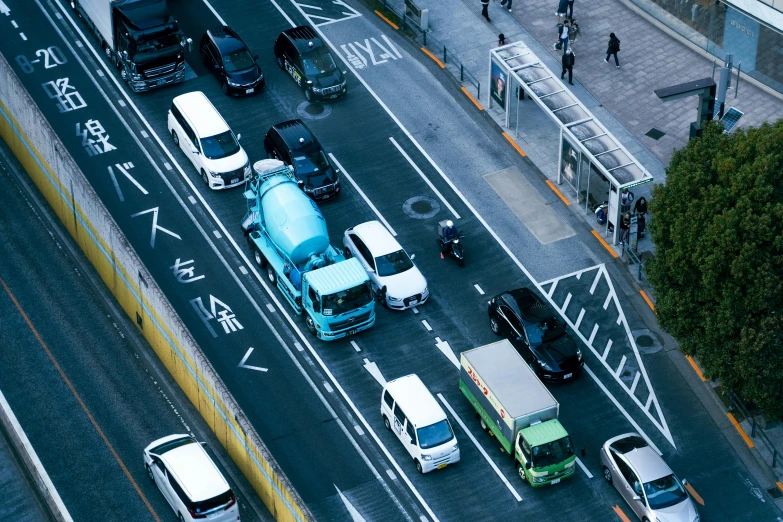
328 387
415 310
4 9
425 178
606 351
620 368
552 290
245 358
592 335
579 319
478 289
23 36
622 410
444 347
363 195
168 167
391 45
635 382
144 134
311 6
426 325
359 430
423 518
217 234
391 474
565 305
192 200
79 43
100 73
122 103
247 262
373 370
355 346
243 269
480 448
649 401
355 515
608 299
595 281
584 468
270 307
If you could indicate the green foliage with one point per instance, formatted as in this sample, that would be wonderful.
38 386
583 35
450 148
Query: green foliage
718 270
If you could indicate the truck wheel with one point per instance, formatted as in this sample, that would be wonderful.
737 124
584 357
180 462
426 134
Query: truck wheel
271 275
175 137
418 466
607 475
259 257
521 471
310 324
386 422
494 324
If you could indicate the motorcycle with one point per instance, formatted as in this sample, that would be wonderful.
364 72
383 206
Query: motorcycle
456 246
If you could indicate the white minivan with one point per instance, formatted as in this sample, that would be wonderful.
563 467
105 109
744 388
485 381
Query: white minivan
189 480
412 413
206 139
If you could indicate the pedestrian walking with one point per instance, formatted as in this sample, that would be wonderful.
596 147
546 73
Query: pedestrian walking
484 9
568 65
641 215
562 6
613 49
563 38
503 3
571 9
625 228
501 39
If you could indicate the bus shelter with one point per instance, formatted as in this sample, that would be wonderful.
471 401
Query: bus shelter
591 161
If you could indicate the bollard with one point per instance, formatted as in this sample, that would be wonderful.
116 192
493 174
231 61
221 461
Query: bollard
774 456
478 90
461 73
425 38
444 54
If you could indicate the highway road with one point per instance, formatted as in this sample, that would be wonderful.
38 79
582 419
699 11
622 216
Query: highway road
403 137
20 501
84 385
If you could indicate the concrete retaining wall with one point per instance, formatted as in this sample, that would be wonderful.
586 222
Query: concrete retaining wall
39 150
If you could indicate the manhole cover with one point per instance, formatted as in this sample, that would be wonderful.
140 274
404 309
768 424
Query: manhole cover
313 111
655 134
646 342
775 493
421 207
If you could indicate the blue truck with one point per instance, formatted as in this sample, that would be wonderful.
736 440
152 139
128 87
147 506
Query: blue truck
288 236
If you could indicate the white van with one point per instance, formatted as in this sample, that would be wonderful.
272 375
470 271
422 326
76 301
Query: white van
204 136
189 480
412 413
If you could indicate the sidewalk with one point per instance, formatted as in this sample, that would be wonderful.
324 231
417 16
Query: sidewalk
622 99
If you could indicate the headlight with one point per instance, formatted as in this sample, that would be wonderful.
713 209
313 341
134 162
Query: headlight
136 77
393 298
426 291
228 80
539 479
213 173
544 365
316 89
455 448
427 457
309 190
579 353
247 167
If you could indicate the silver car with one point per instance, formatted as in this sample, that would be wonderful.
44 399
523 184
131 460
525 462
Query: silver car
650 487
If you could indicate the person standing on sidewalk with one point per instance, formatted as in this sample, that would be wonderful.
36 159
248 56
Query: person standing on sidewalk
568 65
503 3
570 9
484 8
501 40
563 37
613 49
562 6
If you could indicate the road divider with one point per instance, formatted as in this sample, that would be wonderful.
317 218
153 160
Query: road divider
514 144
471 98
741 431
434 58
605 244
45 159
396 28
559 194
696 368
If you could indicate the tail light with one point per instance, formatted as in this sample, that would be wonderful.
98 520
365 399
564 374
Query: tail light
193 514
231 503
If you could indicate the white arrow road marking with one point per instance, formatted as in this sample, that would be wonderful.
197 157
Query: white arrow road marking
374 371
4 9
243 365
355 516
444 347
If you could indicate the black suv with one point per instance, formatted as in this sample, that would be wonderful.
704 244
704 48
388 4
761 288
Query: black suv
292 142
226 55
301 53
537 334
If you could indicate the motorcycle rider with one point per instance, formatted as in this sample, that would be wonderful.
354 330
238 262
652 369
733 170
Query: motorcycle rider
450 233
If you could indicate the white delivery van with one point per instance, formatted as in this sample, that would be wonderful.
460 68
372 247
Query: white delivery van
412 413
204 136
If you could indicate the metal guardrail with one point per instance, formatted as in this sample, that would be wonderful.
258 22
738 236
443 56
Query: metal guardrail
409 25
755 430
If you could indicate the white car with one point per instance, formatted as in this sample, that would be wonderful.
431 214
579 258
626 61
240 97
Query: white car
189 480
387 264
206 139
647 484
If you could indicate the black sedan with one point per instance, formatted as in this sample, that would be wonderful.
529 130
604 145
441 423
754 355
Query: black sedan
226 55
537 333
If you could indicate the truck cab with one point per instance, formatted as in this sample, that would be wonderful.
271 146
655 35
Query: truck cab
545 453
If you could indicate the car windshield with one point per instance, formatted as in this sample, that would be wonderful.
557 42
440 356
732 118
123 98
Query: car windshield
154 44
310 163
238 60
434 434
552 452
394 263
664 492
220 146
318 62
347 300
550 329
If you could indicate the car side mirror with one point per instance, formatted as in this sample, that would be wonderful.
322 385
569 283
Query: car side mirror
189 42
528 465
239 136
684 482
413 256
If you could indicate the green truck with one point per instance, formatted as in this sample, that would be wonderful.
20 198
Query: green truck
517 409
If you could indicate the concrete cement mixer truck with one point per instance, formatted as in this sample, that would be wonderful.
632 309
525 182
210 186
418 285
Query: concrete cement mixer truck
287 234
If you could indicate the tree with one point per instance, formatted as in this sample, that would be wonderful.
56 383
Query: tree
718 270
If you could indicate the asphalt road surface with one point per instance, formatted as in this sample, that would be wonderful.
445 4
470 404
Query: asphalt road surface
415 153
